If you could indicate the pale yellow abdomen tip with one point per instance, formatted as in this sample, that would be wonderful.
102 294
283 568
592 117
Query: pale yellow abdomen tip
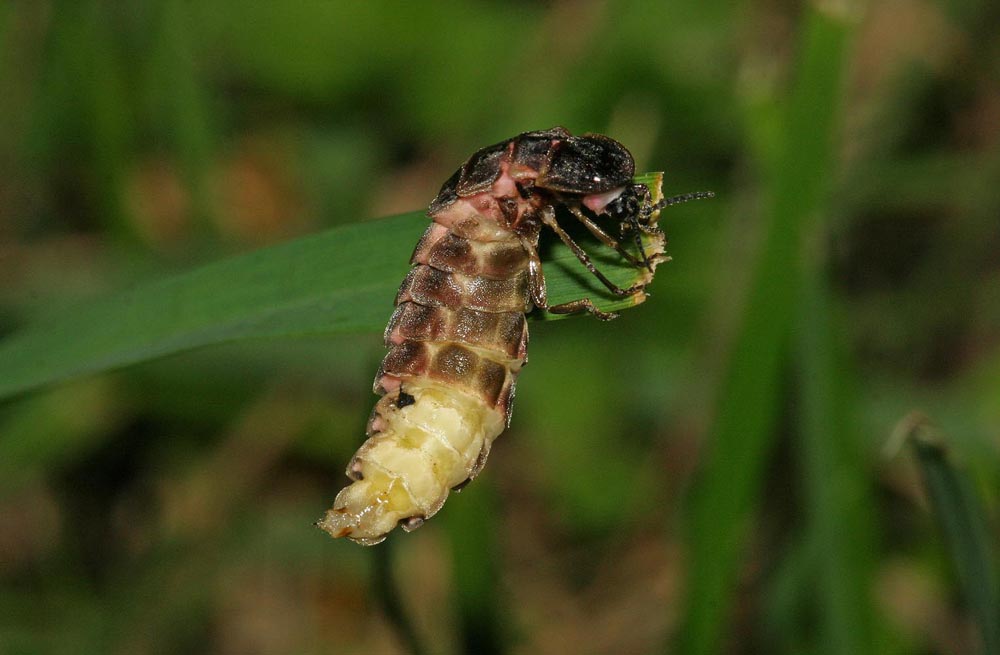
403 473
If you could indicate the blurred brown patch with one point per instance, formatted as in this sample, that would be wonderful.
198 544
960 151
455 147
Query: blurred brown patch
259 193
918 605
29 528
159 202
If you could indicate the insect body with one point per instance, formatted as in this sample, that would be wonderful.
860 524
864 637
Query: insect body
458 337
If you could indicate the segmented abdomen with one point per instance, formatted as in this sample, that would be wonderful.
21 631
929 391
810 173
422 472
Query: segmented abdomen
458 336
457 341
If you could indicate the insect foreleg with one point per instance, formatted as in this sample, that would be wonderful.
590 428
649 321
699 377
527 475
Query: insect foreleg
548 217
609 240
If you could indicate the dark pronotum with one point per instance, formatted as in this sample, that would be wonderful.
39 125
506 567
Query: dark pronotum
458 337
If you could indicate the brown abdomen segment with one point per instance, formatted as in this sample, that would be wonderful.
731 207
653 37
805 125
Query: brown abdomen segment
457 340
459 318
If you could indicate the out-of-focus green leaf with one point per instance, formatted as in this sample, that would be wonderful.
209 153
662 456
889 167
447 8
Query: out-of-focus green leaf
835 490
751 395
48 430
342 280
385 588
963 521
478 600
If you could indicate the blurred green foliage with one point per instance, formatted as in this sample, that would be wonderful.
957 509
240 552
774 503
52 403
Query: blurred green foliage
705 474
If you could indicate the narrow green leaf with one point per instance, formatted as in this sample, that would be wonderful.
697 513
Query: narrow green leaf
962 518
751 394
478 598
386 585
836 495
177 85
342 280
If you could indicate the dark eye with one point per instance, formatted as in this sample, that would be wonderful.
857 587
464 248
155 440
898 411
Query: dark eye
624 206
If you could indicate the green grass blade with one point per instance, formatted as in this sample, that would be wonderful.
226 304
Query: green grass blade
962 518
750 396
175 80
837 497
385 588
478 600
342 280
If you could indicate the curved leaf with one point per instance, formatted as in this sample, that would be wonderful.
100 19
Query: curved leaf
339 281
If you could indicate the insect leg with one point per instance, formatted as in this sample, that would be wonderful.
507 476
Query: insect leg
548 218
637 228
536 286
645 228
609 240
536 280
581 305
646 260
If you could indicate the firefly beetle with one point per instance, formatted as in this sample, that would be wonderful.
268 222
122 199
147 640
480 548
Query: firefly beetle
458 336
